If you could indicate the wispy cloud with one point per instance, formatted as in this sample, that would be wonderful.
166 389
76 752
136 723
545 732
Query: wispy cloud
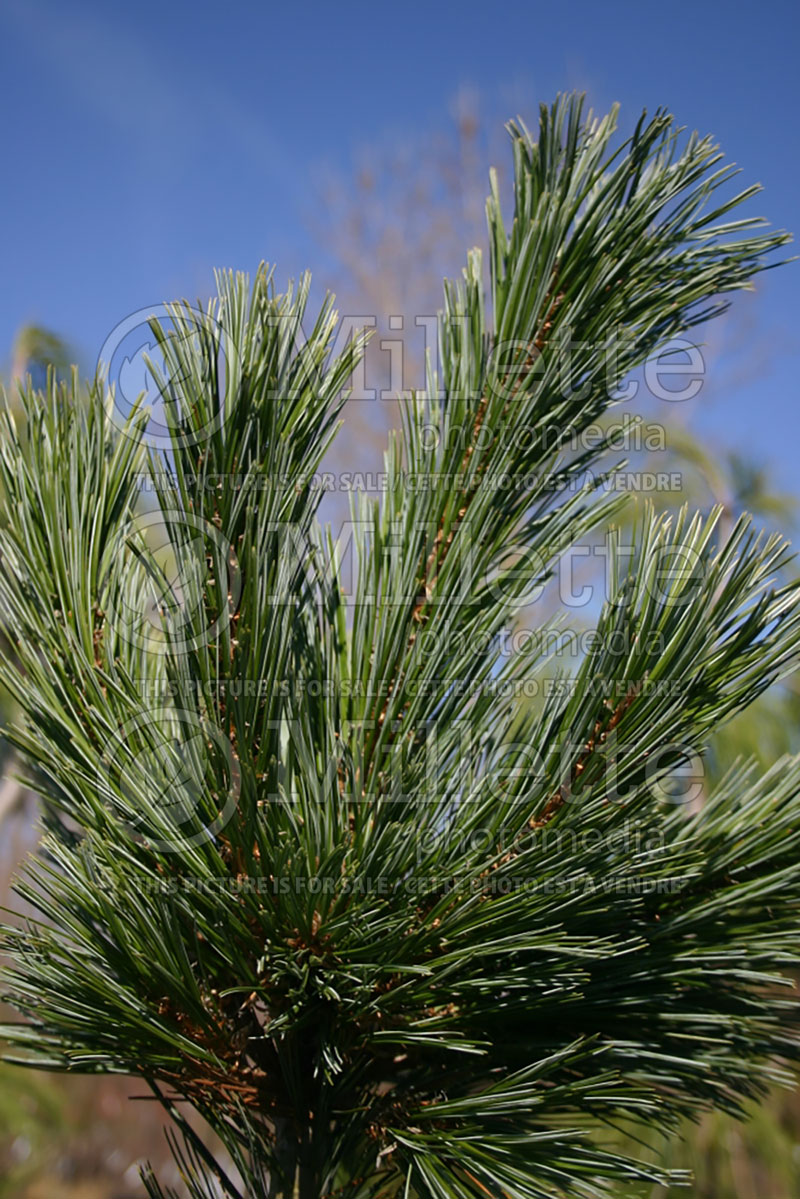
131 85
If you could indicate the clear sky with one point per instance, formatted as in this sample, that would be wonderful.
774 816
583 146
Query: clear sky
144 144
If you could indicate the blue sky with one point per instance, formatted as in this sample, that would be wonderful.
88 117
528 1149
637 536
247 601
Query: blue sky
144 145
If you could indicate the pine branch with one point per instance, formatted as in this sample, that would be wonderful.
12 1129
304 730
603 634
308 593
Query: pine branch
316 867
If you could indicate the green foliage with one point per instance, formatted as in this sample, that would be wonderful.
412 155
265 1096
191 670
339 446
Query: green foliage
31 1116
755 1157
309 863
37 350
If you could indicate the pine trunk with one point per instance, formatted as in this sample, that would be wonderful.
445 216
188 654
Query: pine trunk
298 1178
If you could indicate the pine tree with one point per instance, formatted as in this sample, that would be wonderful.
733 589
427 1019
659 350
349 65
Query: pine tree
397 912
